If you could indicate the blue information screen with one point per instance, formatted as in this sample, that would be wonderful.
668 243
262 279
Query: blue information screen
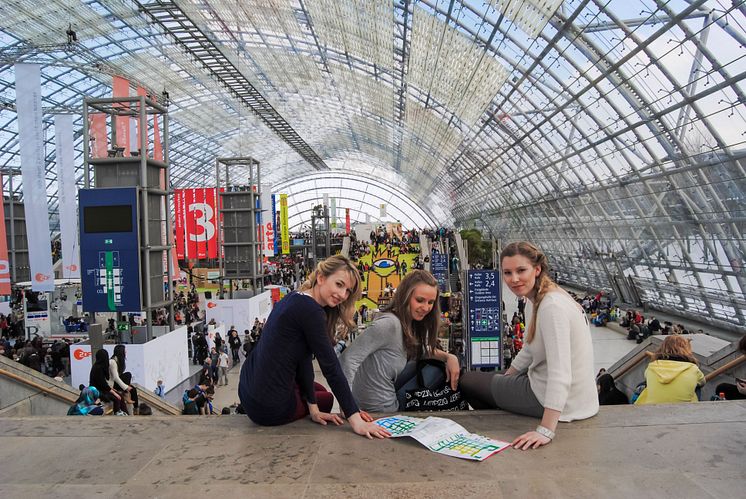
110 250
439 269
484 318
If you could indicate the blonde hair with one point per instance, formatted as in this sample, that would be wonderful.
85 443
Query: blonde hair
674 347
344 311
543 283
420 337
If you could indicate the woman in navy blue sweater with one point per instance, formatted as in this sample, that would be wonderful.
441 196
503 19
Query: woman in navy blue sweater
277 385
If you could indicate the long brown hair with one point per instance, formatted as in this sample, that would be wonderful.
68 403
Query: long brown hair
676 346
420 337
344 311
543 282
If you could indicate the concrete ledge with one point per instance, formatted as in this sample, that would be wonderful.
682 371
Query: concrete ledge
687 450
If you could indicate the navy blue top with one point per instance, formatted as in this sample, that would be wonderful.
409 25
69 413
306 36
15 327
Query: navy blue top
294 331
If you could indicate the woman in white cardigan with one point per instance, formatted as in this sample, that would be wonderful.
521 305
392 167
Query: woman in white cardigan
552 377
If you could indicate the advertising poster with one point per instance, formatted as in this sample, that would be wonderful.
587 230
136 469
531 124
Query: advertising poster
284 224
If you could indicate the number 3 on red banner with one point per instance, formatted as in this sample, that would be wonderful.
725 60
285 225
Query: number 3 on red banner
205 221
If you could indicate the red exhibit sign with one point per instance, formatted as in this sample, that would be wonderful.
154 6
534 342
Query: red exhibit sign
347 221
195 222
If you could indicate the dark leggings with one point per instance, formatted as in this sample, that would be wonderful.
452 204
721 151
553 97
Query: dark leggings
127 378
116 404
324 399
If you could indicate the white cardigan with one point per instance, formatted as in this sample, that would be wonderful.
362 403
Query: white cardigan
560 359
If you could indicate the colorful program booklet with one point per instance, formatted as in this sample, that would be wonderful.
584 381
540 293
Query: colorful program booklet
443 436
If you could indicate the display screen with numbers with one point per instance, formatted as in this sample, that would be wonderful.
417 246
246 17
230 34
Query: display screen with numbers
483 323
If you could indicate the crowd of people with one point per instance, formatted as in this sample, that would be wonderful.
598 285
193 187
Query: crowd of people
548 356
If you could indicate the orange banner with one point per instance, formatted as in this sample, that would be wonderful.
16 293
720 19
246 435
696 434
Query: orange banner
121 88
99 140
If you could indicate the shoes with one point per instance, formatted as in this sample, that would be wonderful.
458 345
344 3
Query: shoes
121 413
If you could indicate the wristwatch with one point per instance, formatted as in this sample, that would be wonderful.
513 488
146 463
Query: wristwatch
541 430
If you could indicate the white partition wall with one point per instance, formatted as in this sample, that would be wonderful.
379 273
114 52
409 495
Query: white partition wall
165 357
242 312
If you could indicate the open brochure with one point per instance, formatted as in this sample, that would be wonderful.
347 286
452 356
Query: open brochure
443 436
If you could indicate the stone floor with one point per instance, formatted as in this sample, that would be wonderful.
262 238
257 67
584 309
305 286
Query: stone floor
683 451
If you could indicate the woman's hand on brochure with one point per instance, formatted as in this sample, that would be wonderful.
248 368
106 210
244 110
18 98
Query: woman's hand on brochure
366 428
530 440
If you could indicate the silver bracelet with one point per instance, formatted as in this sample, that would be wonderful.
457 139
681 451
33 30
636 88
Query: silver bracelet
542 430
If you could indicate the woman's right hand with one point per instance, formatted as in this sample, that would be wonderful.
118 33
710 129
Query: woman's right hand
116 395
367 429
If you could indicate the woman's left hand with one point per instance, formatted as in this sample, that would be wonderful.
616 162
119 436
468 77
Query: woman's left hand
453 370
323 418
530 440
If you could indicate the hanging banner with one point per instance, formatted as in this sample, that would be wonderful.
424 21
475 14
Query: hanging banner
4 262
98 137
268 224
285 232
31 145
179 223
383 211
275 225
196 223
347 221
67 192
141 92
121 88
334 213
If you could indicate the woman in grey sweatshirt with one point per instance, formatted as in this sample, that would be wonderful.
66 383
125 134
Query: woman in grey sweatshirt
407 330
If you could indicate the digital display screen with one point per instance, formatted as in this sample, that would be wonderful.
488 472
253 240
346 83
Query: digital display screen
116 218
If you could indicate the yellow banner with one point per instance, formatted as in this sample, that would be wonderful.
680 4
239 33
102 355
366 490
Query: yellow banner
284 230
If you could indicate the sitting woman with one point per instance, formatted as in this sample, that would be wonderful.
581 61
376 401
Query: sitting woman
406 331
672 375
559 384
99 378
608 393
276 384
88 404
122 380
737 391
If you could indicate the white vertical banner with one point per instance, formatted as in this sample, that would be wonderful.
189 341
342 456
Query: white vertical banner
268 225
31 142
383 212
326 199
333 213
67 192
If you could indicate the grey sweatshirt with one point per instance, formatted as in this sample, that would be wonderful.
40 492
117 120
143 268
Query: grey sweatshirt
373 361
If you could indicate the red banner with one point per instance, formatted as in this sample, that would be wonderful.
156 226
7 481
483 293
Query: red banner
121 88
99 139
179 223
4 263
347 221
196 223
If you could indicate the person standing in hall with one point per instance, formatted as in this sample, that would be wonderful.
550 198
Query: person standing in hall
552 377
235 343
277 380
223 368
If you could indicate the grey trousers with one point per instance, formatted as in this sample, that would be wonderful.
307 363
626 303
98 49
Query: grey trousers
496 391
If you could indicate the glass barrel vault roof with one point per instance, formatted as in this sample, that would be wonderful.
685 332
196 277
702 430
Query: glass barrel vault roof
610 132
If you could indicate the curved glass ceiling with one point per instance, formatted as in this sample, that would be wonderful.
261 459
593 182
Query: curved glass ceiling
611 132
